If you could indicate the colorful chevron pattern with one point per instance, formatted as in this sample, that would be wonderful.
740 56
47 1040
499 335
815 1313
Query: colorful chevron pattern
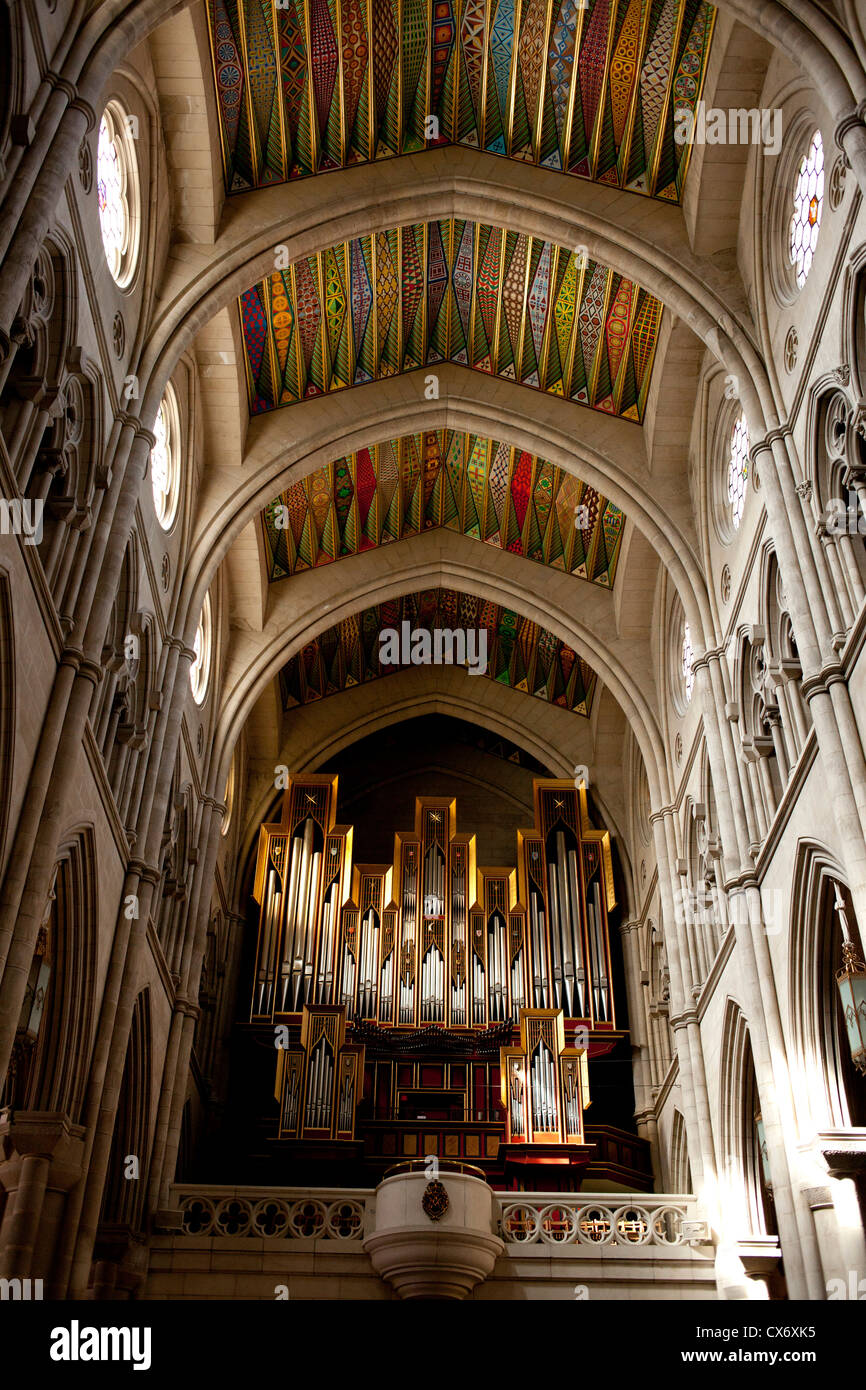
451 291
520 654
589 89
444 478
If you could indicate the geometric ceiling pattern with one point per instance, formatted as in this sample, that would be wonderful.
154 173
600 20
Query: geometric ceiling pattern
496 301
444 478
586 88
520 654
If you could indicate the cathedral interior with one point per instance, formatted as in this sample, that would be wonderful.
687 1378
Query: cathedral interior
432 612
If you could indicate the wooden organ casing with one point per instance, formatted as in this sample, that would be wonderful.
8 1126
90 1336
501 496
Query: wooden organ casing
435 956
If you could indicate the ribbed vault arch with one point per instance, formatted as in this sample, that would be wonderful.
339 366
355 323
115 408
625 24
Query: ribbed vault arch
307 607
659 507
559 744
516 197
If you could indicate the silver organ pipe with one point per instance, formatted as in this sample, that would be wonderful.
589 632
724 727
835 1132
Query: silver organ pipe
346 1097
386 980
563 927
477 989
600 982
434 883
410 890
573 1096
544 1111
318 1114
580 971
540 981
565 931
265 979
294 877
349 974
433 985
515 1095
325 1093
497 954
368 952
300 883
290 1102
553 1115
555 953
325 978
518 1001
537 1092
458 938
312 1087
305 963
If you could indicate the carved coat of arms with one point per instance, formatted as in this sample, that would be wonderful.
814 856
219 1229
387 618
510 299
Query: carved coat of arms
435 1200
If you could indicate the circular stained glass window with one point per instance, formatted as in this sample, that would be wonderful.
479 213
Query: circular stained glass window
117 193
738 469
808 206
165 460
199 671
688 663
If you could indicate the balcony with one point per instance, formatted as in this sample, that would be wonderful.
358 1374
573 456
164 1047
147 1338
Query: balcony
308 1244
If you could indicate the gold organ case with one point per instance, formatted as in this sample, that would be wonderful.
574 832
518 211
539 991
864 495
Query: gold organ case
433 1003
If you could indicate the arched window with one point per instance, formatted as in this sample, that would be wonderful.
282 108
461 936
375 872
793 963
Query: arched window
123 1199
688 664
118 194
839 501
787 710
760 732
808 206
755 1156
680 1167
165 460
48 1064
199 671
229 797
738 469
842 1073
704 902
748 1179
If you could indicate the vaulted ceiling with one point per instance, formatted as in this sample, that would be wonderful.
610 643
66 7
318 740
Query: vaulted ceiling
450 291
479 487
585 88
520 653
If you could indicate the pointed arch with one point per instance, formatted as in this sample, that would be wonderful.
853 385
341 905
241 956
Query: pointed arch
123 1197
7 707
832 1092
680 1167
745 1188
69 949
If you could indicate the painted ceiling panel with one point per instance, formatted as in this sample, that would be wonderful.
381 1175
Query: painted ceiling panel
479 487
587 87
451 291
520 654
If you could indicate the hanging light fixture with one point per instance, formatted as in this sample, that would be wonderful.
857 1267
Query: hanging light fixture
851 983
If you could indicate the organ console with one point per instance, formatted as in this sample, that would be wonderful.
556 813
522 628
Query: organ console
433 1003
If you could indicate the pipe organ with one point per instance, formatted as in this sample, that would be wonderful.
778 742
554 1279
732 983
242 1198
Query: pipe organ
433 991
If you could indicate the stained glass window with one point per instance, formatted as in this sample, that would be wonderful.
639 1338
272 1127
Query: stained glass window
165 460
808 205
117 194
738 469
688 663
199 671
